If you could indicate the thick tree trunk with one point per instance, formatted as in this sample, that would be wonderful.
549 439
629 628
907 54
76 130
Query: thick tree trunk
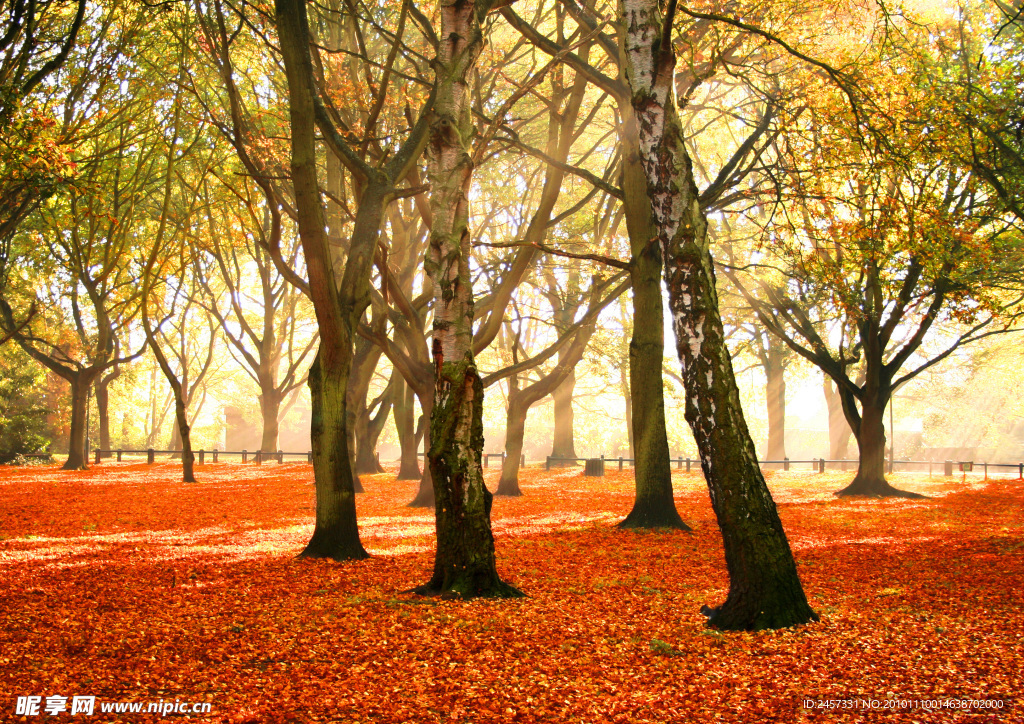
270 412
515 432
764 588
464 565
564 443
776 402
336 535
78 456
653 506
405 424
870 479
339 305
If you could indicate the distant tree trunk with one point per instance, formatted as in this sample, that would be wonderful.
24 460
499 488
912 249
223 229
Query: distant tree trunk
102 389
270 412
370 430
653 505
564 444
627 399
775 371
839 431
405 423
515 432
425 492
764 587
464 564
78 457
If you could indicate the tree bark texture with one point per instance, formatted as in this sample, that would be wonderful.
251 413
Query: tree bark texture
464 565
339 307
653 506
764 588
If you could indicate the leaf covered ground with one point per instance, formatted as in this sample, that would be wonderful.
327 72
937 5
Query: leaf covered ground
125 584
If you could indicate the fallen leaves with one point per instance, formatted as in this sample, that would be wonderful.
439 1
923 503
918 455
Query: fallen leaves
123 583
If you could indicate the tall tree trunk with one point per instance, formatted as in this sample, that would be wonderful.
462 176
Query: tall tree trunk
653 505
78 456
564 443
515 432
270 413
405 423
839 431
764 588
339 307
464 565
775 372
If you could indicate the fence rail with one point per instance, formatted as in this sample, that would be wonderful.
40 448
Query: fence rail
818 465
258 456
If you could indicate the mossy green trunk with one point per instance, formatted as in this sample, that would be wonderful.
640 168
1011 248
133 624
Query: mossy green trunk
336 534
654 506
464 565
764 588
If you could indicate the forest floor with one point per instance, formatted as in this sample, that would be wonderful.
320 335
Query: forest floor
123 584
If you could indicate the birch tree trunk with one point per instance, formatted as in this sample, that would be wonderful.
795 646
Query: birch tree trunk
465 562
764 588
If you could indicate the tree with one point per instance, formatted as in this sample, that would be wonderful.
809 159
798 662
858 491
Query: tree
464 564
339 304
888 241
35 43
76 254
764 590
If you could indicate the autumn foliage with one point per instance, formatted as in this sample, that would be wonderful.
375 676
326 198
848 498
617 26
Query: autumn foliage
123 583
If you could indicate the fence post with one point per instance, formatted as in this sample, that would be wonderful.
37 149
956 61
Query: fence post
151 456
1020 475
487 459
202 457
280 457
259 456
97 456
547 463
821 465
118 456
309 457
215 452
620 462
785 463
522 460
985 466
947 468
245 456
